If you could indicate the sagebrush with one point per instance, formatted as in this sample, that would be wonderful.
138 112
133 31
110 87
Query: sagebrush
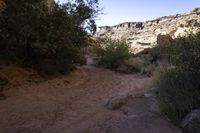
179 83
111 53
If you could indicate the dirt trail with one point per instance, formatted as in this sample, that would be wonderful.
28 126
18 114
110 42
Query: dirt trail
75 104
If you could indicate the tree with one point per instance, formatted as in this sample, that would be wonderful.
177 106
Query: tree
31 32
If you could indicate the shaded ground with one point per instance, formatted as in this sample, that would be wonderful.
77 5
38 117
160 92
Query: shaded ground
75 104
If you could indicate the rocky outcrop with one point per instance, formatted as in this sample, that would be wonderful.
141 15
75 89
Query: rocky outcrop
163 39
143 35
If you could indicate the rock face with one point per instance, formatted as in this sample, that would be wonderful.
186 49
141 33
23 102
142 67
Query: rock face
143 35
163 39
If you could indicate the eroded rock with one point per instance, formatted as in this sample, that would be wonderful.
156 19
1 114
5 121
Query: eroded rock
163 39
142 35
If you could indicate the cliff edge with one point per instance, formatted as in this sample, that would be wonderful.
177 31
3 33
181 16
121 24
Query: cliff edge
143 35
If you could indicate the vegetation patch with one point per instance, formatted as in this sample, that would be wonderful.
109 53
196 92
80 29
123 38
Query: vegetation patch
179 82
46 37
112 53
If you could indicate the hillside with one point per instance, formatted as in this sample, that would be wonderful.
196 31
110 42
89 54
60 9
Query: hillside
143 35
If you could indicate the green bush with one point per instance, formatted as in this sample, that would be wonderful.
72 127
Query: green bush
179 93
184 53
179 83
46 38
112 53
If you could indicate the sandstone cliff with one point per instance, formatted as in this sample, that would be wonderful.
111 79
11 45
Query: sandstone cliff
143 35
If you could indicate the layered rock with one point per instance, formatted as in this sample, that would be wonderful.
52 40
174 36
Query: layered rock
143 35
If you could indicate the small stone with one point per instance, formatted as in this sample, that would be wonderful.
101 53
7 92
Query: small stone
116 102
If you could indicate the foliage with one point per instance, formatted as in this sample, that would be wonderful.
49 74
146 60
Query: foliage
184 53
178 93
193 127
179 85
44 36
112 53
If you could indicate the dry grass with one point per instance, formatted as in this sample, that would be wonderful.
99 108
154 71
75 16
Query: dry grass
16 75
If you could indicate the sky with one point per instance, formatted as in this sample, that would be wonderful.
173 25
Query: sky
118 11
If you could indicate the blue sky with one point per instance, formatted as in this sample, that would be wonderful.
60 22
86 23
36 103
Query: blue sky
118 11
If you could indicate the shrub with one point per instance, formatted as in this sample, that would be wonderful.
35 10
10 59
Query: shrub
178 93
179 85
184 53
112 53
46 38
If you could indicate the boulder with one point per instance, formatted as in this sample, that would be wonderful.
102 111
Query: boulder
163 39
191 122
116 102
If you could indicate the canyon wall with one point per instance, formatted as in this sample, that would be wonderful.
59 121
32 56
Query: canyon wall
147 34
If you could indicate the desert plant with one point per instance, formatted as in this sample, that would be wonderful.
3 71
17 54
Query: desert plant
178 93
112 53
32 33
179 83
